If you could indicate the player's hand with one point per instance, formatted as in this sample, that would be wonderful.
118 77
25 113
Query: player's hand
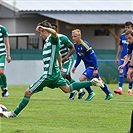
64 59
73 70
121 67
117 61
61 69
39 28
95 72
8 58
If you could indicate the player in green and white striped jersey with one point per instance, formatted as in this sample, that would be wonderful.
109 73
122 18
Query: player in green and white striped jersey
4 55
51 76
67 49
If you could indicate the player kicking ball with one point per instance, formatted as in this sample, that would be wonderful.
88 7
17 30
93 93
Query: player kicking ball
51 76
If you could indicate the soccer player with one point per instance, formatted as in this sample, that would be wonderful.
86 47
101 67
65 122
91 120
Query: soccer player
51 76
129 77
130 69
129 36
122 51
85 53
4 55
67 49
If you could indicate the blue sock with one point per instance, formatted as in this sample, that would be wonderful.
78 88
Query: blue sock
121 81
89 90
106 90
130 85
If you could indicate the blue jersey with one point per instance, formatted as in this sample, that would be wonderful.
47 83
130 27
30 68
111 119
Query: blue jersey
85 53
123 43
130 48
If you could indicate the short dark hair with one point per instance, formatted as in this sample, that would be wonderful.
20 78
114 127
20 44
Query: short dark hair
54 26
45 23
128 23
129 32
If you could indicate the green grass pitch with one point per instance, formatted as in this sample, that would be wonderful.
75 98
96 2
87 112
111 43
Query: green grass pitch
50 111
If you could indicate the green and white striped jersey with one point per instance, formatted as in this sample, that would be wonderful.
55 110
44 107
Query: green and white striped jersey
50 57
3 34
64 44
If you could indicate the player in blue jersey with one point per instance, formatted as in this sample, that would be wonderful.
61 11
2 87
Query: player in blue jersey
85 53
122 51
129 37
130 74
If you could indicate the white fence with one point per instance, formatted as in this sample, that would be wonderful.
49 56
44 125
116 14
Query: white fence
20 72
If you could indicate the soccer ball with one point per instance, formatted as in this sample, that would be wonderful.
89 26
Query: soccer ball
2 109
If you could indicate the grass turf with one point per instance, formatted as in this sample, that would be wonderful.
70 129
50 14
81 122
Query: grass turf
50 111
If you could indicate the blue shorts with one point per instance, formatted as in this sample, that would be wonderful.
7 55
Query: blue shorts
125 69
89 73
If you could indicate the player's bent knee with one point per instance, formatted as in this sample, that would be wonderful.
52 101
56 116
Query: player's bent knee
1 71
65 89
28 93
82 78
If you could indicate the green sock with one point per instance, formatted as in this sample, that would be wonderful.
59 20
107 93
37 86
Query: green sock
78 85
22 105
72 81
1 84
2 89
3 81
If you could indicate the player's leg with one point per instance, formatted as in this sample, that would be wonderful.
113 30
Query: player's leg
105 89
42 82
24 102
68 77
87 75
121 79
66 73
84 84
129 92
66 68
81 92
107 92
20 106
91 94
1 84
84 77
3 77
34 88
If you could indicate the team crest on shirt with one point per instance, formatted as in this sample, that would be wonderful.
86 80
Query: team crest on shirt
80 48
81 54
124 42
